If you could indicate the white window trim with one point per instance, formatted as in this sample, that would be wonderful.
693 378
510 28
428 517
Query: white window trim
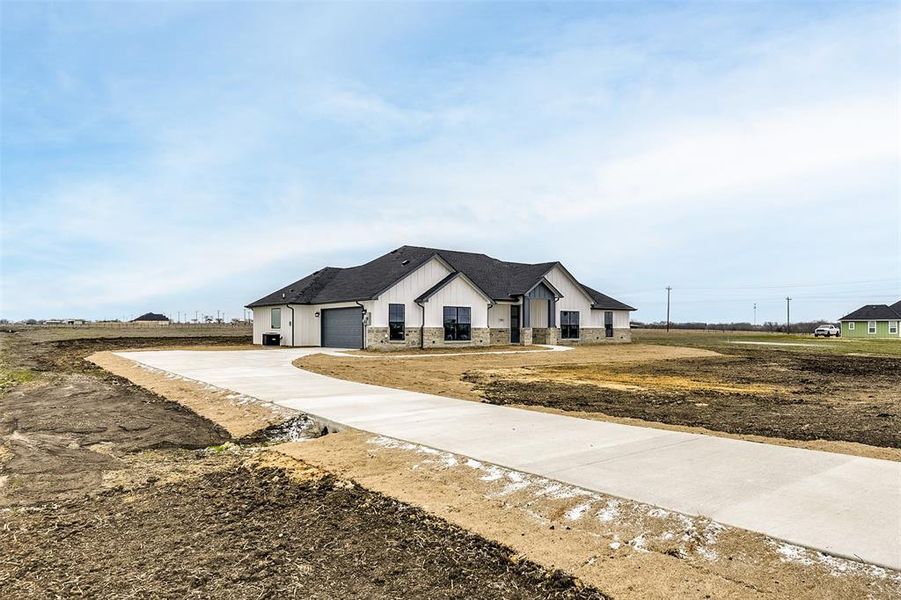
893 327
851 326
871 327
272 311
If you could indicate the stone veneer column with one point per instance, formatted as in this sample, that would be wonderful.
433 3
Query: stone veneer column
525 336
553 334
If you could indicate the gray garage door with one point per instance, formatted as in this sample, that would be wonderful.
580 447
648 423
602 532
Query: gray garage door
342 328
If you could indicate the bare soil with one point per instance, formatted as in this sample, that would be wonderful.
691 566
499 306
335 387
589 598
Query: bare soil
239 415
443 375
253 532
756 392
291 520
74 422
111 491
62 435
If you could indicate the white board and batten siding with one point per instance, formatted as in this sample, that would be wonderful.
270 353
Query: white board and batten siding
575 299
406 291
307 326
457 293
499 316
262 324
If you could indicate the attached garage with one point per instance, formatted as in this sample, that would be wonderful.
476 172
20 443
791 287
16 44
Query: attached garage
342 328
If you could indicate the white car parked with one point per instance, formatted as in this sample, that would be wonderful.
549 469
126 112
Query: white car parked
827 331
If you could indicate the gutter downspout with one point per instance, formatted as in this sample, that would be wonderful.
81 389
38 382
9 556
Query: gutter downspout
291 308
421 326
362 324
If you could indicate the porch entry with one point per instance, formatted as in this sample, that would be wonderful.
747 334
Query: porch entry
514 324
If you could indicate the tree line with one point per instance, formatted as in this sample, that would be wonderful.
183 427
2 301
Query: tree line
767 327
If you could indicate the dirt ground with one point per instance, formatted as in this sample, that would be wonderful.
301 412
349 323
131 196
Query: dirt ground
836 402
759 392
239 415
109 490
443 375
72 422
37 333
246 531
626 549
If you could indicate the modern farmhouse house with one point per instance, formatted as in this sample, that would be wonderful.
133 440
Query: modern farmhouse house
873 321
424 297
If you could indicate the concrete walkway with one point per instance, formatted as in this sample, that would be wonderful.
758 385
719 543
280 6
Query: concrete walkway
843 505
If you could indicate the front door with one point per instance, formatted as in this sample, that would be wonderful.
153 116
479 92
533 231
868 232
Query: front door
514 324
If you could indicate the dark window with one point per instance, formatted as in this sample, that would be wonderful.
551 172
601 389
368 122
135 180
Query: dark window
608 323
569 324
396 322
457 323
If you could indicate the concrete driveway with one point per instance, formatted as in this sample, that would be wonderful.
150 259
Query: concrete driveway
842 505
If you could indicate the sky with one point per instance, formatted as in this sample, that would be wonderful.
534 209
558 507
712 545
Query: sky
179 157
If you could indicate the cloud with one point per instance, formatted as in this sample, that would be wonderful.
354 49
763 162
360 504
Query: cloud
206 163
713 161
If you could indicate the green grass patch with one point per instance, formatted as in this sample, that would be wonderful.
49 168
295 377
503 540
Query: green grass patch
717 340
10 378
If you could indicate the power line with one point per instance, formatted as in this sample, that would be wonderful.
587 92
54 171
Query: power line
892 280
798 285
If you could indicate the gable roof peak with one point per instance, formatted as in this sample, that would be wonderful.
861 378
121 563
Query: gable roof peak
498 279
874 312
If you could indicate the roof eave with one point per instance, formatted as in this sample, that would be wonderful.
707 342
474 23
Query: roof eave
543 280
602 307
446 281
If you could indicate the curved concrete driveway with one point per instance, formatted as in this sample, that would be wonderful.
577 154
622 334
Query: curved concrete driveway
843 505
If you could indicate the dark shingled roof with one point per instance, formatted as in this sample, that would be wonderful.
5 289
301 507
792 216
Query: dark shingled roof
605 301
501 280
874 312
151 317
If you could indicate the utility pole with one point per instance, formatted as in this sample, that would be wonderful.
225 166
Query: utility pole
755 313
668 290
788 314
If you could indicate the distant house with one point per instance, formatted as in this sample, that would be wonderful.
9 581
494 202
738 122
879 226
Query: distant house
426 297
873 321
64 322
152 319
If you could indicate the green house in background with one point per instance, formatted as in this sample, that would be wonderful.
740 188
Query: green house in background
873 321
